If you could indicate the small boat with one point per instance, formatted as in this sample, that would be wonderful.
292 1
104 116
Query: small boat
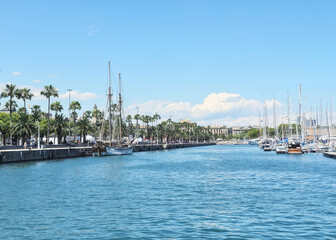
281 149
267 147
254 141
111 151
294 147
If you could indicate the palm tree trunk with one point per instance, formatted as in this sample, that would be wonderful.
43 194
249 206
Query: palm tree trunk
74 126
48 119
10 122
59 137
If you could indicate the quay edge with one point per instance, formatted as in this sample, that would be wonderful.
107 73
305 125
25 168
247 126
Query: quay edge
28 155
330 154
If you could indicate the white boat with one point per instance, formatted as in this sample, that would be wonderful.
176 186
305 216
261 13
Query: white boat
267 147
111 151
254 141
281 149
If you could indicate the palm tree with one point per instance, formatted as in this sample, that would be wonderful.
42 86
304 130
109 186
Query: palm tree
49 91
74 105
10 91
155 118
129 124
11 104
57 107
60 123
84 126
97 114
24 127
136 117
145 119
87 114
25 94
36 113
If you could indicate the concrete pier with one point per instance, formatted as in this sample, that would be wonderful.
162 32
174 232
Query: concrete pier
330 154
53 152
155 147
25 155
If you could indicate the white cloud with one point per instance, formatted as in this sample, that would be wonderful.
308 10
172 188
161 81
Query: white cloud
92 30
36 81
52 76
217 108
16 73
76 95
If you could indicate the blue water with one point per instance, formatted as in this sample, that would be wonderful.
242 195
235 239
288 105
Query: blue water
236 192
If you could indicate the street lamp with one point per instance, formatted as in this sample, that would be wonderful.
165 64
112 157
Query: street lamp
157 135
69 114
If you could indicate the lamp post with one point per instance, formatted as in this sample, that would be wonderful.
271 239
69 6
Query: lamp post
157 135
69 115
38 136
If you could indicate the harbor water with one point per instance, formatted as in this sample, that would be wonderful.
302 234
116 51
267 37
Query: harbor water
237 192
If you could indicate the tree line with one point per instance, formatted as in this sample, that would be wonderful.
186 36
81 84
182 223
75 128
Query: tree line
19 124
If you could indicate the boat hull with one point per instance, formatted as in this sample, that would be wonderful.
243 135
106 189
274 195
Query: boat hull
116 151
253 142
294 151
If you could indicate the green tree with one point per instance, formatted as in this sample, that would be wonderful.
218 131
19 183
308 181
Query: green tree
60 124
10 91
4 126
24 94
49 91
252 133
145 119
75 105
24 126
84 127
36 113
57 107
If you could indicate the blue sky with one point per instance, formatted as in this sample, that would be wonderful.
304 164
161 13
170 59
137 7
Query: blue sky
174 54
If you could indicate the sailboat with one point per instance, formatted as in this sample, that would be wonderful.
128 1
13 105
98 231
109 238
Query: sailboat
119 146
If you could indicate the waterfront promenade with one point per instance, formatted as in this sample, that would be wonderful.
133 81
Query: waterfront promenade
50 152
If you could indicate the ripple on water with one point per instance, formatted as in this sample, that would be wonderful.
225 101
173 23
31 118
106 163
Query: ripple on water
235 192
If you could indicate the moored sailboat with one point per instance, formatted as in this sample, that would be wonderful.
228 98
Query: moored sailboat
120 145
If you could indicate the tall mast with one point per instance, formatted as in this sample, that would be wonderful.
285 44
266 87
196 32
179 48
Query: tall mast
274 115
331 124
264 128
288 113
120 101
109 104
259 127
321 119
317 122
300 112
327 124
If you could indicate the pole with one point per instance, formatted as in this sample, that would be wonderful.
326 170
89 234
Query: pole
120 101
69 117
109 105
157 135
137 126
300 111
38 137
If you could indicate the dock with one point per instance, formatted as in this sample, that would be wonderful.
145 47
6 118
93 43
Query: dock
330 154
18 154
26 155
